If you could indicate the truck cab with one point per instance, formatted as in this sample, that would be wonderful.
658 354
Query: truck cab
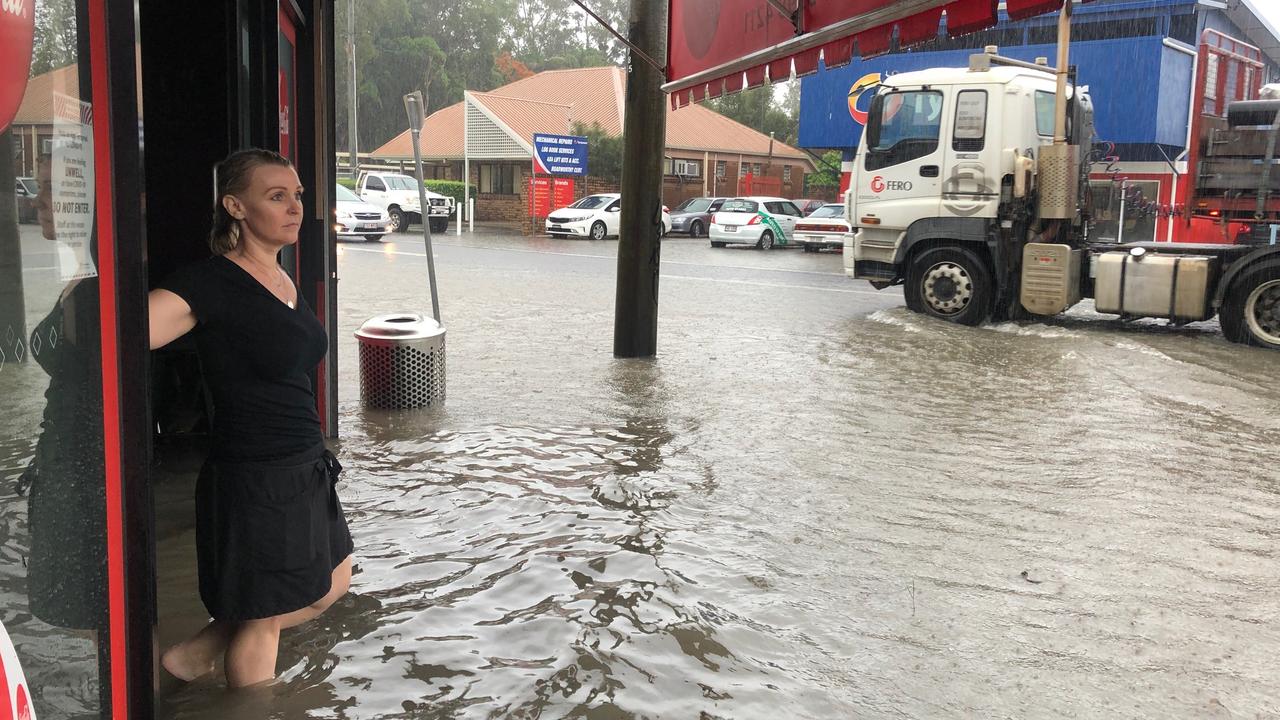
397 194
970 189
939 155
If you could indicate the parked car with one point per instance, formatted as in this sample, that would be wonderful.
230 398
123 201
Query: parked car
24 190
693 216
595 217
398 195
808 205
825 227
760 221
354 217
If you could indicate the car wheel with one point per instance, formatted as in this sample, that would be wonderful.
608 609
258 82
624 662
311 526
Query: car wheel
1250 313
397 219
766 240
372 238
950 283
695 230
598 230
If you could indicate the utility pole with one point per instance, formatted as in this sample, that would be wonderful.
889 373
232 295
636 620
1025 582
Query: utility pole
635 320
353 136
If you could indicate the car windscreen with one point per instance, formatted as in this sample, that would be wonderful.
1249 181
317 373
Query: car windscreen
592 202
696 205
744 206
345 195
828 211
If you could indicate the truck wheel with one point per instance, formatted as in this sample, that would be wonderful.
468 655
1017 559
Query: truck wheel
598 231
950 283
397 219
695 230
766 240
1251 312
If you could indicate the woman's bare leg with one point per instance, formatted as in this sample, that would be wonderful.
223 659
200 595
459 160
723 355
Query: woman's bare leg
251 654
339 582
242 646
195 656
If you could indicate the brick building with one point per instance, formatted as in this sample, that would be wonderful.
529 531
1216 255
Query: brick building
706 152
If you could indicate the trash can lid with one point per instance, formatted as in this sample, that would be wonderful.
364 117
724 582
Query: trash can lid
400 326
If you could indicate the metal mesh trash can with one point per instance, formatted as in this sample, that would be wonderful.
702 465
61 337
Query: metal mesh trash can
401 361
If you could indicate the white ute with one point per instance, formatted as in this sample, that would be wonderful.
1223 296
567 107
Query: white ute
398 195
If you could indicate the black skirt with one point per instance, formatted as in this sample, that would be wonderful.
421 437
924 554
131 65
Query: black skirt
268 534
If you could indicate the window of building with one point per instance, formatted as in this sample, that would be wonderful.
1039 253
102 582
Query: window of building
1138 198
757 169
720 168
498 179
685 168
786 173
743 169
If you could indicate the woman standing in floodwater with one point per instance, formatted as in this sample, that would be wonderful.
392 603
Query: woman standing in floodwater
271 540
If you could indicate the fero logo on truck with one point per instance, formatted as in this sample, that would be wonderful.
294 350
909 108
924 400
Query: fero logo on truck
879 185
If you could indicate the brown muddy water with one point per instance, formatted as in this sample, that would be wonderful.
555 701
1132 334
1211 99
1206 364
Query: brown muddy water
812 504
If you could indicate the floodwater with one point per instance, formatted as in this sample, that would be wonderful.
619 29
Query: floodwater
812 504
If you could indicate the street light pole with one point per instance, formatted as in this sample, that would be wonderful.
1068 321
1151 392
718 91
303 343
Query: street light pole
413 106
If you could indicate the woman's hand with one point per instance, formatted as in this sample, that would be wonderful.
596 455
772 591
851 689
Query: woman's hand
170 317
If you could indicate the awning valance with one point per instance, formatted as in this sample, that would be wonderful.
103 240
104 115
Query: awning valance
722 46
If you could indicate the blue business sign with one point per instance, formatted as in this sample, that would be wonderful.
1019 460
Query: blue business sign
560 154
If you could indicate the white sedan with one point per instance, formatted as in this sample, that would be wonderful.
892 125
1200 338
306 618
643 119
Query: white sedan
594 216
825 227
354 217
760 221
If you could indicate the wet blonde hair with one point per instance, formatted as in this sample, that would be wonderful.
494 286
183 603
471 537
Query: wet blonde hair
232 177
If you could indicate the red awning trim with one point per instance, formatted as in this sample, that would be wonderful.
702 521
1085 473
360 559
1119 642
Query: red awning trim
840 52
875 41
780 70
1023 9
962 17
969 16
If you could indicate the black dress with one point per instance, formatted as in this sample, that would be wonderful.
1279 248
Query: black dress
66 511
269 526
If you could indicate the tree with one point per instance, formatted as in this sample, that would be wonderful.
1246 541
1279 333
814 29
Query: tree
604 158
828 174
511 69
54 37
757 109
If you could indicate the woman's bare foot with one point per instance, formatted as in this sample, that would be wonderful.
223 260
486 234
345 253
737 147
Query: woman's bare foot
179 661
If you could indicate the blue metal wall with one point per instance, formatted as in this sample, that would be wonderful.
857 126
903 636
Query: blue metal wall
1140 89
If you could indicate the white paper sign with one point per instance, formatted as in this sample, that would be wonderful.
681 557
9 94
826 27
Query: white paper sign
71 179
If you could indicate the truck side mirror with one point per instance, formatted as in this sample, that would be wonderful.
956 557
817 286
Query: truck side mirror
873 121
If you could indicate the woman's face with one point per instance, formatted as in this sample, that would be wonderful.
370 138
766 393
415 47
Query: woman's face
44 199
270 210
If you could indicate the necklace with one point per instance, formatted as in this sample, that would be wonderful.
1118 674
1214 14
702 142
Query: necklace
279 275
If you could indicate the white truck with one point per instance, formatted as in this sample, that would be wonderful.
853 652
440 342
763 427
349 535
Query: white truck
972 193
398 195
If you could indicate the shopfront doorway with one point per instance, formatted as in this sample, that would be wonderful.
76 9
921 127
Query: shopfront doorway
115 115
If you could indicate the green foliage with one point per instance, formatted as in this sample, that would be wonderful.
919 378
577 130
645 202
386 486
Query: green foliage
348 183
758 109
828 174
556 34
54 37
452 188
604 151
